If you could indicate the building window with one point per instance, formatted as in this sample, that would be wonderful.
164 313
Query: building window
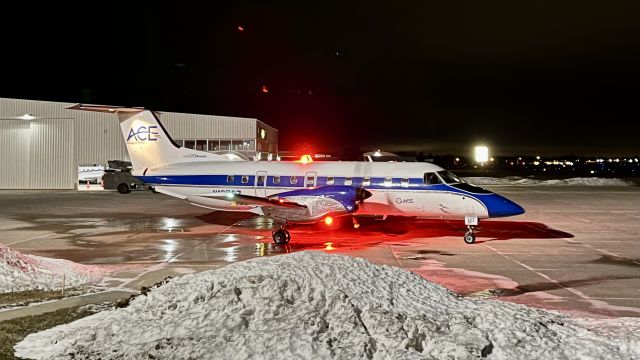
201 145
245 179
276 180
330 180
404 182
237 145
293 180
249 144
214 145
225 144
229 179
179 142
366 181
348 181
190 144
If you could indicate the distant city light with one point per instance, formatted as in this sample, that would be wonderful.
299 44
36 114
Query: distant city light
593 172
457 159
481 154
240 28
492 159
537 157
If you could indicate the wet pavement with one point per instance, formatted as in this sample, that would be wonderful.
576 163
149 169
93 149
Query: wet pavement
576 249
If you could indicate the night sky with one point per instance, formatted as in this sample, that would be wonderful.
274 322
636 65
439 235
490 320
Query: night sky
550 78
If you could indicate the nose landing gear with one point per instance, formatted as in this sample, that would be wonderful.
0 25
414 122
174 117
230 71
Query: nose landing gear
469 236
471 222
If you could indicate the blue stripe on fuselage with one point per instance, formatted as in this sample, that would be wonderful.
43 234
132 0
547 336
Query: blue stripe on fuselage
497 206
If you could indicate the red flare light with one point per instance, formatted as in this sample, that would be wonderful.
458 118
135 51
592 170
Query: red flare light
328 220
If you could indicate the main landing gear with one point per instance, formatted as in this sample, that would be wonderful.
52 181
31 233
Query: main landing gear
281 236
471 222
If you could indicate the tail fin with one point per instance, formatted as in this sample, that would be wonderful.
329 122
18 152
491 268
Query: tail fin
148 143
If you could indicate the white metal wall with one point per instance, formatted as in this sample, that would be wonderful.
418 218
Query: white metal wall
52 164
14 154
191 126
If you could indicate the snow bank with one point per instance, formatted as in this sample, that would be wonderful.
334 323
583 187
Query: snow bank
20 272
313 305
517 180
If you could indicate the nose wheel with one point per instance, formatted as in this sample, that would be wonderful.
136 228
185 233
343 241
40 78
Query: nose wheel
281 236
470 237
471 222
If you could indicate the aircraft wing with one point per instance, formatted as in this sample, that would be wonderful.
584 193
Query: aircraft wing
258 201
302 205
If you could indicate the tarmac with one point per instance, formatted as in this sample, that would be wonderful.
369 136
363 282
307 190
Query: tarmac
574 250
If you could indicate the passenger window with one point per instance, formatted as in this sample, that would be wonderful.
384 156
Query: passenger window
245 179
276 179
330 180
366 181
260 180
310 180
229 179
431 179
388 181
404 182
293 180
348 181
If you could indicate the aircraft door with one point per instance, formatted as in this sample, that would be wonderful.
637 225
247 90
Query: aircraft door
310 179
261 183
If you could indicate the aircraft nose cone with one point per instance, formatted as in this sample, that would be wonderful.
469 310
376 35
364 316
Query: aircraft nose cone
500 207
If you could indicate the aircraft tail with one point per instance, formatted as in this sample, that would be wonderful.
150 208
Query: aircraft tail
148 143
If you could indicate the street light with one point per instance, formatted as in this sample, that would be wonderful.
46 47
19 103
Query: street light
481 154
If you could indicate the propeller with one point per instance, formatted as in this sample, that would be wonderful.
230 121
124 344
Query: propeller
362 194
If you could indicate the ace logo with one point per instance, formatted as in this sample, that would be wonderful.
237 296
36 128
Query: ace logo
144 133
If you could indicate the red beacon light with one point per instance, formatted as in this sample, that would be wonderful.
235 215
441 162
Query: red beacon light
328 220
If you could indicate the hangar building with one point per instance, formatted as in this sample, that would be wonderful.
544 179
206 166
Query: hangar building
42 144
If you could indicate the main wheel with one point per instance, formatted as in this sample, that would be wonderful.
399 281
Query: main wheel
469 238
281 237
123 188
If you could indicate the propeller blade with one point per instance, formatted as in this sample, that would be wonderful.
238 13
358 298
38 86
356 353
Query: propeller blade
362 194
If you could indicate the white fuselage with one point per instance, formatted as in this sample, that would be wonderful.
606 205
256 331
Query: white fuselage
397 188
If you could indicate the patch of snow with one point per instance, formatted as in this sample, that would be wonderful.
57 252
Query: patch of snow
313 305
20 272
517 180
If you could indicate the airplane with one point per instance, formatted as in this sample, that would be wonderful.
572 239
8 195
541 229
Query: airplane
299 191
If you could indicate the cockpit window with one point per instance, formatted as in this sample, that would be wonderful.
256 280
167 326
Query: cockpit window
431 179
449 178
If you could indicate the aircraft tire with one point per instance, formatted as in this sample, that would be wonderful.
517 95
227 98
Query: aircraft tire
281 237
469 238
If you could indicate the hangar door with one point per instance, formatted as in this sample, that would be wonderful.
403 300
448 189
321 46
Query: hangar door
52 164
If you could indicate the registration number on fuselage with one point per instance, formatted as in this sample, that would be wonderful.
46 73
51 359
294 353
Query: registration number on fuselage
224 191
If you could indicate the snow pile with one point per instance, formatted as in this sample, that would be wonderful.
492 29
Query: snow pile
20 272
517 180
313 305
